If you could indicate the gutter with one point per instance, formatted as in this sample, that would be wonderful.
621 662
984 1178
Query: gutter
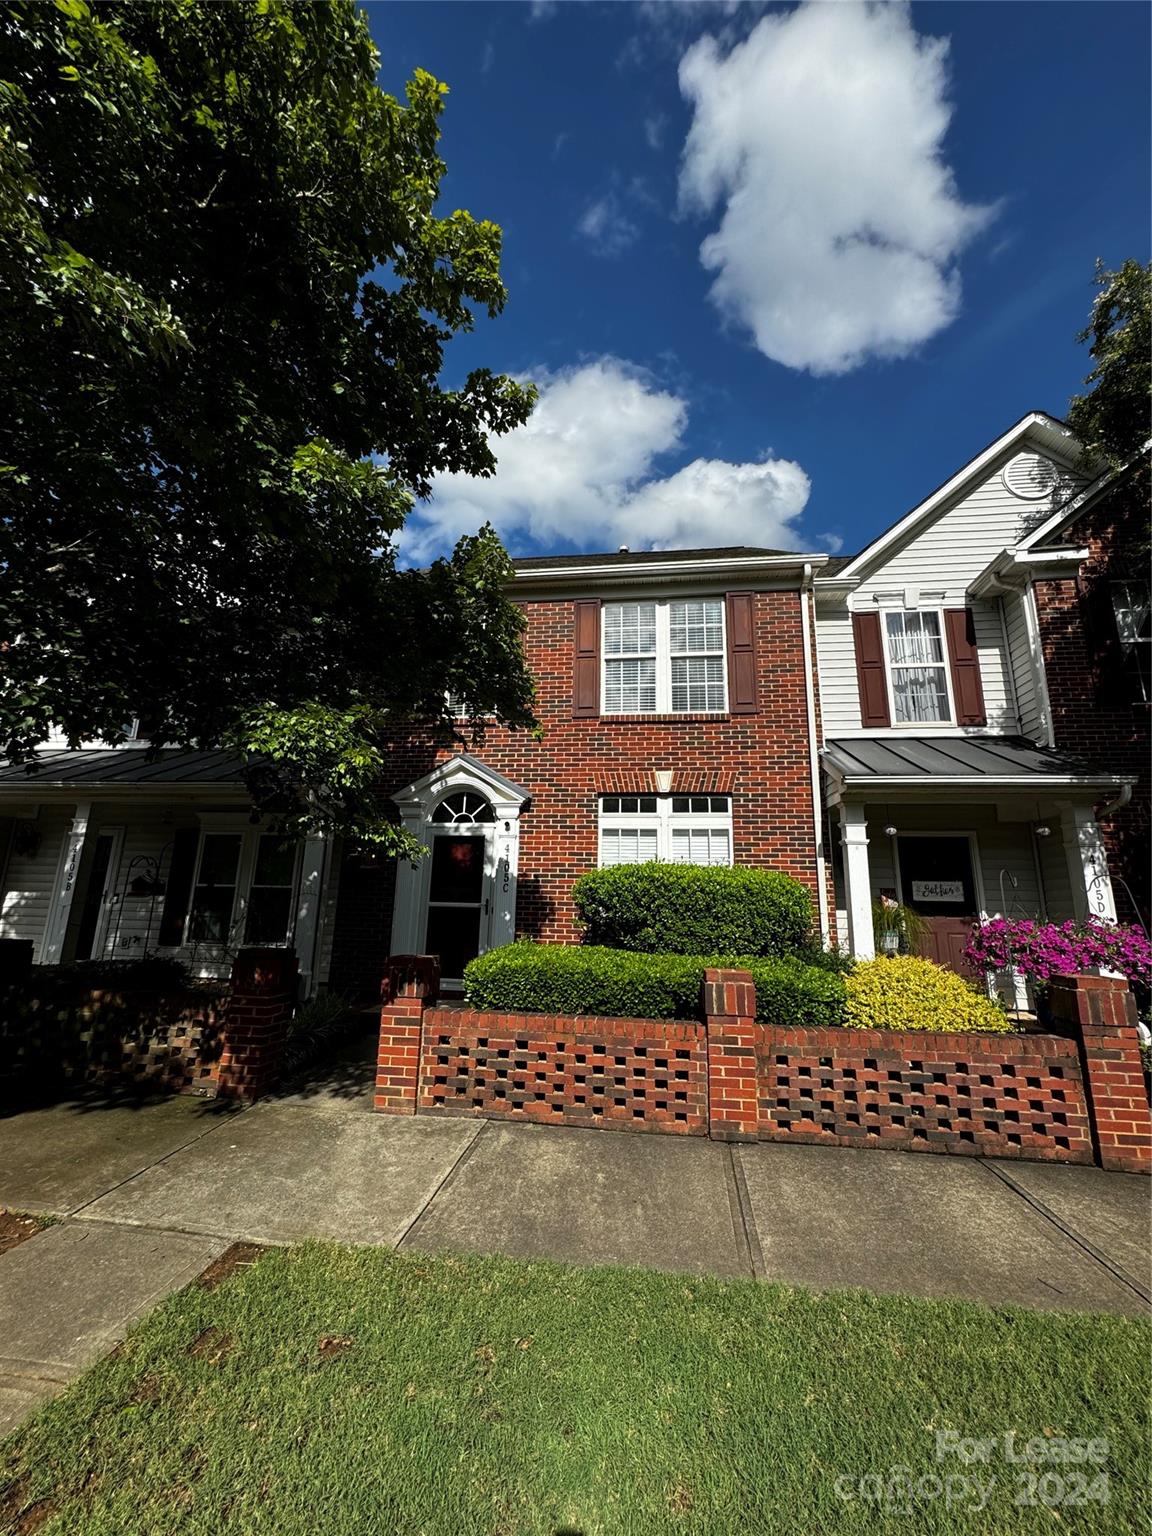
654 571
1027 782
814 752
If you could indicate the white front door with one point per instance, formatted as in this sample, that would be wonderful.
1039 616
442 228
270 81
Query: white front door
96 911
460 899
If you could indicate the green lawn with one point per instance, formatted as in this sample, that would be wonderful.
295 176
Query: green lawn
341 1390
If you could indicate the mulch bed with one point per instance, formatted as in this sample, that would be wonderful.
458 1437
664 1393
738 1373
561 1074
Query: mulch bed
239 1256
17 1227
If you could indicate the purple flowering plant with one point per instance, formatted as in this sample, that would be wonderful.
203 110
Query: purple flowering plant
1043 950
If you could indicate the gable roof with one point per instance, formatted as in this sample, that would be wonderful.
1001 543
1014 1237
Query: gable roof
1048 433
1060 521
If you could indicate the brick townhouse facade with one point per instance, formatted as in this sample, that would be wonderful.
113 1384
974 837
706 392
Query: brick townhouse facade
955 717
674 703
1094 628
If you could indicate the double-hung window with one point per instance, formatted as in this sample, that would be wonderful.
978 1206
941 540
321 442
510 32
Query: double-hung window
244 889
664 657
917 667
679 829
1132 608
630 658
214 893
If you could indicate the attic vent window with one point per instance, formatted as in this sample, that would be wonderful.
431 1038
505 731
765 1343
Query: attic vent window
1030 476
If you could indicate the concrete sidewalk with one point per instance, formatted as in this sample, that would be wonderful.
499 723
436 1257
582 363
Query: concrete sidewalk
150 1192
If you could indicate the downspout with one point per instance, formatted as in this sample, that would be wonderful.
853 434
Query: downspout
1036 647
814 755
1121 800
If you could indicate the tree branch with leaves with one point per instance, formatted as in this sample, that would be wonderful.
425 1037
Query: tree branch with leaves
225 299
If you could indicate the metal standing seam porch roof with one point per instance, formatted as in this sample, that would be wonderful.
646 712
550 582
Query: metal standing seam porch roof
917 762
125 766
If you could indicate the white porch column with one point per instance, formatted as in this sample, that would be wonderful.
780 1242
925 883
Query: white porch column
857 882
313 869
1087 863
64 886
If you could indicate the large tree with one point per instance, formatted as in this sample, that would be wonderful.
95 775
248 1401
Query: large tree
1113 419
225 293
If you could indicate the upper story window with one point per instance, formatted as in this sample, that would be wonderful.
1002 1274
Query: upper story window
664 657
1132 607
682 829
917 667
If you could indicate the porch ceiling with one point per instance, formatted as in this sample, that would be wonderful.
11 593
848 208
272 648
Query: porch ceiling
971 763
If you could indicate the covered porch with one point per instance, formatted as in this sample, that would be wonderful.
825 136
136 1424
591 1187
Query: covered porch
959 830
118 854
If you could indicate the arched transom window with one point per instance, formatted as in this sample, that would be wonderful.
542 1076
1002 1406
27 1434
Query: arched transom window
463 809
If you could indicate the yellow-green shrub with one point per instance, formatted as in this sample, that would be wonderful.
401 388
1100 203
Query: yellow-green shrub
904 992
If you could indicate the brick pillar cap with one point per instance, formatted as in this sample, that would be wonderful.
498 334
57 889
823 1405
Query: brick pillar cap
264 970
1084 981
411 976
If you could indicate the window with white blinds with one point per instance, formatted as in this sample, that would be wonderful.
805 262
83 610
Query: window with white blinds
664 657
680 829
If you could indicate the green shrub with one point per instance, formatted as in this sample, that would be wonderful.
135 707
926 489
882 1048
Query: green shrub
905 992
619 983
681 909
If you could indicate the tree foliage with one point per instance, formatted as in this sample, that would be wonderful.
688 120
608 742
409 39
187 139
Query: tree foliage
1114 419
225 295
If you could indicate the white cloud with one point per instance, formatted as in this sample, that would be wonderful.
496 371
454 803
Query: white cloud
607 227
820 137
582 474
654 126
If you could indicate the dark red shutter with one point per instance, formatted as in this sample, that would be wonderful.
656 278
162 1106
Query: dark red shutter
964 660
869 638
586 679
741 653
178 890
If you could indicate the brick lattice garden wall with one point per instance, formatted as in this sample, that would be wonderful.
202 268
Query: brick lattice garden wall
55 1031
634 1074
1071 1098
993 1095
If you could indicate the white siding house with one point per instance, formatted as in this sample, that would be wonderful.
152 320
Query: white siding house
935 711
113 854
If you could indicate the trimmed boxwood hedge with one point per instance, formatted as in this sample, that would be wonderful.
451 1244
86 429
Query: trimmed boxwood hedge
681 909
618 983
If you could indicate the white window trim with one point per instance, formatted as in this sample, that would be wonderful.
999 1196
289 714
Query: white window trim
245 870
663 656
665 821
890 666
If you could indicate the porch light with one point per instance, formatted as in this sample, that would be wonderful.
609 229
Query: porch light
1043 831
890 831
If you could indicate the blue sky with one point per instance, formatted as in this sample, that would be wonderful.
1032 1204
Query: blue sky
778 270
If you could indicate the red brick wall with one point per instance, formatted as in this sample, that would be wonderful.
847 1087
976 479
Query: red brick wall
761 760
1095 712
628 1074
987 1095
734 1079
